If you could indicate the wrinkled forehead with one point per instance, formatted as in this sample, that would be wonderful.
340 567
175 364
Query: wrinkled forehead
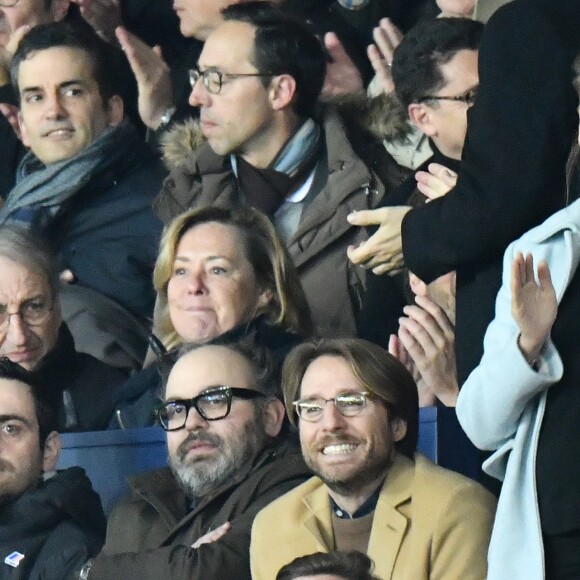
208 366
19 283
229 48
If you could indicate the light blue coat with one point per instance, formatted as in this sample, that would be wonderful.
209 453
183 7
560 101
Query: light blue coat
502 403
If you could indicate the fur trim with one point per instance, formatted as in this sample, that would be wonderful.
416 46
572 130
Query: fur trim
178 143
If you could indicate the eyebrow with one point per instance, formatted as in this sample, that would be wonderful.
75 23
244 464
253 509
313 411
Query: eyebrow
6 418
205 259
64 85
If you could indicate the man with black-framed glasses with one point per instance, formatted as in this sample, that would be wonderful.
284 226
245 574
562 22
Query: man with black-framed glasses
229 456
356 410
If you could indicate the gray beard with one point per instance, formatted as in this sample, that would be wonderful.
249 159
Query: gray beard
200 478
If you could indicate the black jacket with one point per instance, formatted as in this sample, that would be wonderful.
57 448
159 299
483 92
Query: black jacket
79 386
519 135
57 527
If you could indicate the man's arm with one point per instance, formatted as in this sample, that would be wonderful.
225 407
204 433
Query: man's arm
519 134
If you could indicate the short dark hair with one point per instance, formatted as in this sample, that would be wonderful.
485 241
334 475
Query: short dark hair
382 374
68 35
284 45
45 413
428 45
348 565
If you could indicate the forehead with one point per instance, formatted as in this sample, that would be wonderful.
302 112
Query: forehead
461 70
55 65
16 399
212 238
18 283
228 47
328 376
206 367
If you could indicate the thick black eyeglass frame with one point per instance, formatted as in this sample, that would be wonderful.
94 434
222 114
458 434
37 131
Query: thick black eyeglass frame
230 392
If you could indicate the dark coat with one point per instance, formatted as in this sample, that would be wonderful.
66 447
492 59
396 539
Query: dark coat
58 526
519 135
355 173
79 386
150 532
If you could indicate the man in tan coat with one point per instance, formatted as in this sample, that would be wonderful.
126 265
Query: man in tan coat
357 413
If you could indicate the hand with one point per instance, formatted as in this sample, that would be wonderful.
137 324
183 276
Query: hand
383 251
212 536
428 336
534 305
11 113
7 52
437 182
387 37
103 15
342 76
152 74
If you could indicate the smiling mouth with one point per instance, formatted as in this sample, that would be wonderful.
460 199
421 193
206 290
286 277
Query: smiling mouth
59 133
339 449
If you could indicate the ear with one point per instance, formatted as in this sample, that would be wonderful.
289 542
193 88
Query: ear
115 110
23 133
398 428
282 91
420 115
418 287
273 418
59 9
52 447
264 299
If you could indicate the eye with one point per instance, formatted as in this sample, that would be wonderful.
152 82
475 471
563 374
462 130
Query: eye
310 408
214 399
33 98
11 429
179 271
217 270
73 92
34 307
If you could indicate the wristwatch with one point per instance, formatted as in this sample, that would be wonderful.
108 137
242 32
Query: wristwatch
84 573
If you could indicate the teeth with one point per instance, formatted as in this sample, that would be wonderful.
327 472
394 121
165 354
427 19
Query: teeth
338 449
60 132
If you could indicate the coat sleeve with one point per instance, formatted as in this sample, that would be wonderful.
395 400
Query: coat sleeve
519 135
496 393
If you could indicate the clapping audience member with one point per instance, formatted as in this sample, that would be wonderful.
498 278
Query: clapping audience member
220 273
50 522
33 335
87 183
523 401
356 410
229 456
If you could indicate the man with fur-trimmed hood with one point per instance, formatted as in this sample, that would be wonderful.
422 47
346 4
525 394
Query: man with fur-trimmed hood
257 83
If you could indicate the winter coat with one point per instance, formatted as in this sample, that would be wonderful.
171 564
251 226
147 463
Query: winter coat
360 173
502 404
151 531
57 527
78 385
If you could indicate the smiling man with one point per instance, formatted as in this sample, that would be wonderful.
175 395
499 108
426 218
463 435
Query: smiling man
228 459
87 183
357 413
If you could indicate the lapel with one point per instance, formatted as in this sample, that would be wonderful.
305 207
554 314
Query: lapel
317 520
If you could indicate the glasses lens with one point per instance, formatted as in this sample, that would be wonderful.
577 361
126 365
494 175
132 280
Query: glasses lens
194 75
310 409
34 312
213 81
172 416
214 405
350 404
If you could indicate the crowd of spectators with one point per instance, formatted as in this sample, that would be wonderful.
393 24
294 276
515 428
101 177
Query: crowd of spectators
275 230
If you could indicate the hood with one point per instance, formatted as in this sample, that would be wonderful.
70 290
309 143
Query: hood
382 116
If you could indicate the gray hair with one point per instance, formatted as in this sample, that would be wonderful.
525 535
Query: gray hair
23 247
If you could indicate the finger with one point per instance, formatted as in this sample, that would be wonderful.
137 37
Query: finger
448 176
437 314
431 185
529 268
393 33
368 217
425 323
545 277
393 345
157 51
387 268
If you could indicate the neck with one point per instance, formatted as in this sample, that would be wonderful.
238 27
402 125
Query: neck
450 152
350 498
266 146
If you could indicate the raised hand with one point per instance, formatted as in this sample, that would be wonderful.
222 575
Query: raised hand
534 304
103 15
387 37
436 182
342 76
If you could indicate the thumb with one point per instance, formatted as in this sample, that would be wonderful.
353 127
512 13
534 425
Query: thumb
334 47
368 217
157 51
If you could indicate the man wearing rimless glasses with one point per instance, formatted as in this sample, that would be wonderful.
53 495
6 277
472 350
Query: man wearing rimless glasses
356 410
228 459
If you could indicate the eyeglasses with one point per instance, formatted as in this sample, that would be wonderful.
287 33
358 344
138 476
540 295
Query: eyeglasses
8 3
347 404
468 97
32 313
213 404
214 79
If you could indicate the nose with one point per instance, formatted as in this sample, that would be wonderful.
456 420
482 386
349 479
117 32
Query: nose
196 283
199 96
194 420
332 419
53 106
17 332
